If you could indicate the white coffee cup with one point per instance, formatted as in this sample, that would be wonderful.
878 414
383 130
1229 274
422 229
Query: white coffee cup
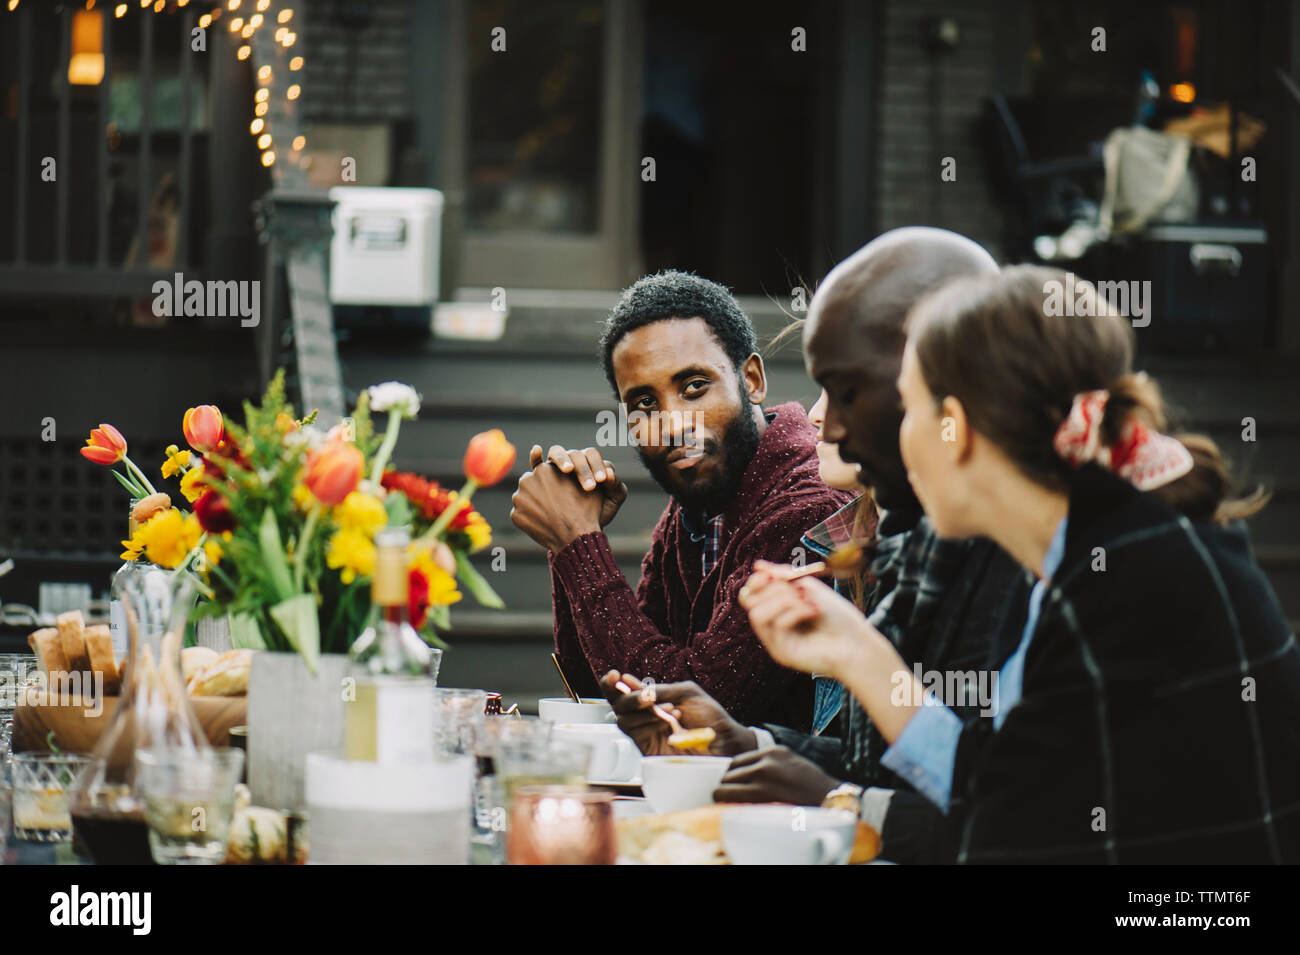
681 782
788 835
614 757
561 709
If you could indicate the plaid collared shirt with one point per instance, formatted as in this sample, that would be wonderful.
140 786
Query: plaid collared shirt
709 536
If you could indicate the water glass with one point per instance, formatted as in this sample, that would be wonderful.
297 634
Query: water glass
41 783
189 801
458 720
562 825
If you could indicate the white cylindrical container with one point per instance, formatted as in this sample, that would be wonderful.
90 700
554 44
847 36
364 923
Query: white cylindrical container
364 813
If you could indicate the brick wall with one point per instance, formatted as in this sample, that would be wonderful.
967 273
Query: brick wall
355 73
914 136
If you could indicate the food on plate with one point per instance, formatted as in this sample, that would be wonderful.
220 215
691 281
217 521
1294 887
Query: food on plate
194 659
694 837
72 639
685 837
227 675
693 741
99 650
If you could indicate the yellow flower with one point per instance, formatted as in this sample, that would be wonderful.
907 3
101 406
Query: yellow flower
133 549
212 551
442 585
478 530
176 462
351 553
168 537
190 486
303 498
361 512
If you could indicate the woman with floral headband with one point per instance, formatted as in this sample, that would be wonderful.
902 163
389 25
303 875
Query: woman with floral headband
1151 713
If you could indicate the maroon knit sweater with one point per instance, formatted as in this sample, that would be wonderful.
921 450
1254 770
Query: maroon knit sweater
678 626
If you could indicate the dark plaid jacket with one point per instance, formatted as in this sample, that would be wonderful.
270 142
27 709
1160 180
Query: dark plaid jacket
1160 716
949 606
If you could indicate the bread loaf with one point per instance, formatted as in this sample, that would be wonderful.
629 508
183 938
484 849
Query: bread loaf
103 665
72 638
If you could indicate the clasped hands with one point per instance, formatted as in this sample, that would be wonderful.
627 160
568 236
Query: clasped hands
565 494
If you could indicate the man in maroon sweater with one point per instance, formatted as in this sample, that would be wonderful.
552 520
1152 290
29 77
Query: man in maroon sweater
744 485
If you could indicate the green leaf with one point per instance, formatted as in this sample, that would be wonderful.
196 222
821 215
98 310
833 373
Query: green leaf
399 510
273 558
440 616
244 632
300 622
475 583
134 490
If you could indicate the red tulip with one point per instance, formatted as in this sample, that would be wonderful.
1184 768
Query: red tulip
203 427
214 514
333 471
105 445
489 457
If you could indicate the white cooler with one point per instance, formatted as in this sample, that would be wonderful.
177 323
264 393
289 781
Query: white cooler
386 246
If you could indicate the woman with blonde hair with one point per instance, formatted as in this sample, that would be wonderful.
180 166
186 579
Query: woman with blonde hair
1151 712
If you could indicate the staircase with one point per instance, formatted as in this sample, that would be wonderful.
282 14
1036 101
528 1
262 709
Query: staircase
542 383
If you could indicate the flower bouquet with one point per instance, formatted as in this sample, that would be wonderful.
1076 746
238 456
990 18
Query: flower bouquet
285 515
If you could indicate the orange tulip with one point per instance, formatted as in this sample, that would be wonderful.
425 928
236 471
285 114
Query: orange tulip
489 457
203 427
333 471
105 445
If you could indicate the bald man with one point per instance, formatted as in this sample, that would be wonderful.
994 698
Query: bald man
954 609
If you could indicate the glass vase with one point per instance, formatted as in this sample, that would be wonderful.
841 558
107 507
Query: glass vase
153 713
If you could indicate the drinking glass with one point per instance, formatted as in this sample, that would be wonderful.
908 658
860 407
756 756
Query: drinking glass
562 825
14 670
458 720
41 783
189 801
538 762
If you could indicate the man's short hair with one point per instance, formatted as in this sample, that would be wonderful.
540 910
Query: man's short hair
673 294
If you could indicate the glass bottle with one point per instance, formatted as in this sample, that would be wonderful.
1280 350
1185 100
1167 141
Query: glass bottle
130 570
389 717
153 713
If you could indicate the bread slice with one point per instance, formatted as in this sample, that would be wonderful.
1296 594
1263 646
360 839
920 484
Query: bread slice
72 637
225 676
99 647
194 659
49 651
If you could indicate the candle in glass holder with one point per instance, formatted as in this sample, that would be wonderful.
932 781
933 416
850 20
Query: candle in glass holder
562 825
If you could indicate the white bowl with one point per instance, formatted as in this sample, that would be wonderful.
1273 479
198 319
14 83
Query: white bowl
561 709
788 835
681 782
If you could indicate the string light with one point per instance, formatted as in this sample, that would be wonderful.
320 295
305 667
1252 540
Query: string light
264 140
268 158
13 5
295 63
233 4
263 4
285 16
182 3
264 73
255 20
145 3
260 109
205 21
280 34
293 91
119 11
236 24
249 31
244 52
261 96
289 38
256 126
158 7
299 142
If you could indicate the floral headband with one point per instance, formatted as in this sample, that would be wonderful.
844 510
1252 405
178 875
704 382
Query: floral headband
1145 458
